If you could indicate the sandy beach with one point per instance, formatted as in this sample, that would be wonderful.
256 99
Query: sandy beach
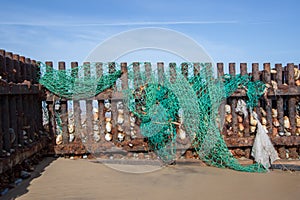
84 179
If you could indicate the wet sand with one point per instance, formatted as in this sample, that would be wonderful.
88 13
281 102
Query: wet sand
82 179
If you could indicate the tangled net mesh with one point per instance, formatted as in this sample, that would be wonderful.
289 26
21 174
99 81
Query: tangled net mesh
158 98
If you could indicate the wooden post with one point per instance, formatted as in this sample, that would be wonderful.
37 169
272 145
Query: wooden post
112 69
3 71
89 106
22 68
50 104
12 98
16 62
28 74
160 71
196 69
172 67
233 102
243 69
64 110
1 132
124 84
29 103
220 70
280 108
76 104
185 70
267 79
136 74
292 100
148 71
10 67
256 77
99 72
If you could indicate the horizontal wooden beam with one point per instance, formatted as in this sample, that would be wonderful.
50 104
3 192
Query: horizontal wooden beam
277 141
19 89
21 154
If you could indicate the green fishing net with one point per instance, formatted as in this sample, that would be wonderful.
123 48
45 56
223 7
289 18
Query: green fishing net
156 99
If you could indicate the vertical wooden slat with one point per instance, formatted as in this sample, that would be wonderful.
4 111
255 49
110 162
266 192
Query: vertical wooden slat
172 67
64 110
50 104
220 74
19 101
1 130
2 68
112 69
243 69
16 61
124 84
267 80
28 74
233 102
5 110
89 105
99 72
10 67
196 69
185 70
12 98
76 104
3 72
148 71
160 71
5 122
30 102
256 77
292 100
136 74
280 108
220 68
22 68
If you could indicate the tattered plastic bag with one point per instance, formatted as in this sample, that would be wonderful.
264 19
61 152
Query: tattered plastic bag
263 150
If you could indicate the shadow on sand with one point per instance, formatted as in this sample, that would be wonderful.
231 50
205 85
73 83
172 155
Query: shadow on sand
22 188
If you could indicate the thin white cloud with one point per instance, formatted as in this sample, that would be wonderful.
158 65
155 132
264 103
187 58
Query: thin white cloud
145 23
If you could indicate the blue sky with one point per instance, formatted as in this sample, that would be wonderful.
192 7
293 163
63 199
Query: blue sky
230 31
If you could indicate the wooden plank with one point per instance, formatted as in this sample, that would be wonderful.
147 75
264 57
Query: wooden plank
148 71
114 112
243 70
280 108
1 130
256 77
136 75
197 69
172 67
101 123
248 141
76 103
267 80
233 102
220 74
52 122
292 100
28 74
5 122
124 85
22 68
160 72
185 70
10 67
3 71
16 62
64 111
